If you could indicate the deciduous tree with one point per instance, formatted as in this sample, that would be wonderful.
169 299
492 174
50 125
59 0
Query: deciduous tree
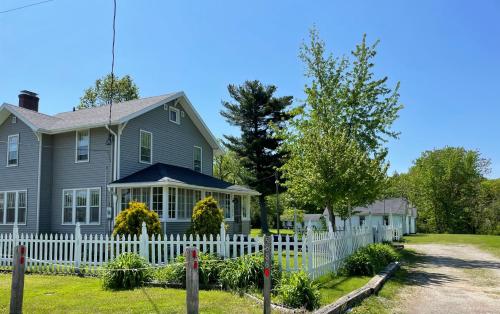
122 89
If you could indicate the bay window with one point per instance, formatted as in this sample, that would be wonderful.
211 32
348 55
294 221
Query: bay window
13 205
81 206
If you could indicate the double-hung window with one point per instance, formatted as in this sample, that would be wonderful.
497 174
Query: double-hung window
146 147
82 145
82 206
13 150
13 207
174 115
197 157
224 202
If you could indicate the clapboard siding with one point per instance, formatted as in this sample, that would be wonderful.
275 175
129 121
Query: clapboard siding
66 174
25 175
46 185
172 143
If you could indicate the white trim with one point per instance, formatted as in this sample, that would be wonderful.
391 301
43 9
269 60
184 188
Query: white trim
16 210
177 114
76 147
17 152
140 147
201 158
40 146
73 207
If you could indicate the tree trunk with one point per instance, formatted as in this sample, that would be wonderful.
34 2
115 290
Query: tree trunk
263 214
332 217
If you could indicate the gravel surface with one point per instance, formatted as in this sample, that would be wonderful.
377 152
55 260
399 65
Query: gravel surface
452 279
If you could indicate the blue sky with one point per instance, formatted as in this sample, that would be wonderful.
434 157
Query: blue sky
444 53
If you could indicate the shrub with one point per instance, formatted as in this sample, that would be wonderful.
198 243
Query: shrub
129 221
207 217
297 290
127 271
370 259
209 266
247 272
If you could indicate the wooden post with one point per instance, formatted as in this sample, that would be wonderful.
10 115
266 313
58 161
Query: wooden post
267 273
78 248
192 280
19 265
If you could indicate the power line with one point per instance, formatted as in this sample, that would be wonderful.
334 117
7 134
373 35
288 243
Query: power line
112 61
25 6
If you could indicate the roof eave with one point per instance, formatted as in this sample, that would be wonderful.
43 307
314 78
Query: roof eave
182 185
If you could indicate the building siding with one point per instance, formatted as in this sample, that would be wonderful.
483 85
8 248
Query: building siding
25 175
172 143
66 174
46 185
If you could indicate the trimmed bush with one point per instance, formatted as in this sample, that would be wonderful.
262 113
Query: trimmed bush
129 221
247 272
127 271
207 217
370 259
209 268
297 290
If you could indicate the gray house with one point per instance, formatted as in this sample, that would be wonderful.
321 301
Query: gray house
85 166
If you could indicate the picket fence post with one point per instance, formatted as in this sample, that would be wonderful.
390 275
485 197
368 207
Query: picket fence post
144 242
78 247
310 252
222 240
15 235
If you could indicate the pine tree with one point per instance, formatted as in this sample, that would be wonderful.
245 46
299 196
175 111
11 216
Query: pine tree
259 115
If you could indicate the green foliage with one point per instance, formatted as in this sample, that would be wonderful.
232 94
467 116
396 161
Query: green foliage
289 215
258 113
228 167
122 89
127 271
336 145
247 271
129 221
487 219
209 270
207 217
445 186
370 259
297 290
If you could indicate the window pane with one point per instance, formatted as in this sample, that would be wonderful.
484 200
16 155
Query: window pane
171 203
81 214
81 198
146 144
68 215
173 115
182 204
158 201
197 159
81 206
68 207
82 150
95 205
95 198
13 147
21 208
11 207
2 207
126 198
94 214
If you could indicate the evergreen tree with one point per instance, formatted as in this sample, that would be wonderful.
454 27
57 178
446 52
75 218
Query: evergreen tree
259 115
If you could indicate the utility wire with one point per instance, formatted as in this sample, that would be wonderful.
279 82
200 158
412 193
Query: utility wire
112 61
25 6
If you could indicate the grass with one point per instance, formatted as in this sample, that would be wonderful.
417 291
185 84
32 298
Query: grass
488 243
258 232
70 294
334 287
387 296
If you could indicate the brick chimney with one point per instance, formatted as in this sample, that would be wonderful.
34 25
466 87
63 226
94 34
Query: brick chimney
28 100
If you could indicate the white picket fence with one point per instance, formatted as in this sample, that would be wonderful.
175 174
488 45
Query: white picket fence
314 252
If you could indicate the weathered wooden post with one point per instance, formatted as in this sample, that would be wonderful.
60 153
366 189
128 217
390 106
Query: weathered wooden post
144 242
192 280
268 254
19 265
78 248
310 250
223 240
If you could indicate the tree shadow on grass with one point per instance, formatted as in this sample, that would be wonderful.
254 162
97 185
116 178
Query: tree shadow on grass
153 304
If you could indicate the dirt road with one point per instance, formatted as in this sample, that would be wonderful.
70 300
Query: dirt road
452 279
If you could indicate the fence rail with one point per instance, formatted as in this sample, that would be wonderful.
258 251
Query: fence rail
315 252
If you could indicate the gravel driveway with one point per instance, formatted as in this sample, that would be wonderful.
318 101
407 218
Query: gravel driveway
452 279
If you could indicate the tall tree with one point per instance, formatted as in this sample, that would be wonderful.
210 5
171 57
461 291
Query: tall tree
122 89
228 167
337 144
445 186
259 115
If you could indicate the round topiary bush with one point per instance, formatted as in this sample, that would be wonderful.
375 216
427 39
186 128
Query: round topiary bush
127 271
129 221
207 217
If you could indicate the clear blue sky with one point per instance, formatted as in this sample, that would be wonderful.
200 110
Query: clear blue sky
445 53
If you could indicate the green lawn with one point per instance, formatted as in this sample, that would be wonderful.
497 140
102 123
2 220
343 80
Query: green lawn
70 294
334 287
489 243
258 232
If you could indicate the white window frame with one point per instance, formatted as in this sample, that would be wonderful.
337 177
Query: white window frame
140 147
201 158
3 219
76 147
178 115
73 205
8 148
14 119
245 199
